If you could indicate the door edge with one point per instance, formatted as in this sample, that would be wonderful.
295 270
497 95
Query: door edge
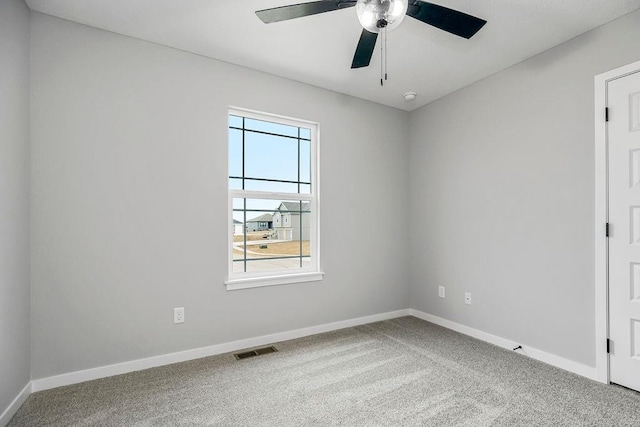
601 264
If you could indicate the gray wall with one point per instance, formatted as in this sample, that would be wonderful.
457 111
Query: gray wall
129 197
128 200
14 200
502 181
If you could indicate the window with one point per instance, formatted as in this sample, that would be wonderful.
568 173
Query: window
273 192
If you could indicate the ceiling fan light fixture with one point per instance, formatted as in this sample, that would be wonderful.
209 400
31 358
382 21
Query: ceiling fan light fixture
377 14
378 17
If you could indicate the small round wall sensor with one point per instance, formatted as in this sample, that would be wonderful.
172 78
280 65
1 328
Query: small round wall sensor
410 96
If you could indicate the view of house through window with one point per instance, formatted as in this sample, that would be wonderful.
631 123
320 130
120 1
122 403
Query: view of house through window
273 204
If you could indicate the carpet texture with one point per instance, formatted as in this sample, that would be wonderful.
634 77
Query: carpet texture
401 372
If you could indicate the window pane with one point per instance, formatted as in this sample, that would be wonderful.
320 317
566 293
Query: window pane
305 161
238 218
272 249
276 248
287 224
276 187
270 127
252 237
235 121
238 251
305 133
235 184
305 189
263 204
238 266
282 264
272 206
305 234
238 235
235 152
237 204
257 223
271 157
287 206
257 250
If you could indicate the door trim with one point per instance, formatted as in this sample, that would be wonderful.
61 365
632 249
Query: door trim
601 264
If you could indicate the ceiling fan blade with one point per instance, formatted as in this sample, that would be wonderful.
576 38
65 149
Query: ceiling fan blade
446 19
365 48
284 13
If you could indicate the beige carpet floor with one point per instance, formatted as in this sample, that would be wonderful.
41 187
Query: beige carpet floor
401 372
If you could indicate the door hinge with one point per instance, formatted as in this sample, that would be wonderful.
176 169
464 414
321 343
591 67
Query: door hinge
606 230
608 345
606 114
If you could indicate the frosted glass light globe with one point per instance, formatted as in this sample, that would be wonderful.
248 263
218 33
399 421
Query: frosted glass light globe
377 14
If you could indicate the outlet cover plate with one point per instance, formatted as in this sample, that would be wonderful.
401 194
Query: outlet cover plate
441 292
467 298
178 315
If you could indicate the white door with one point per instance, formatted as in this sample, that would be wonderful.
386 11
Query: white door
623 100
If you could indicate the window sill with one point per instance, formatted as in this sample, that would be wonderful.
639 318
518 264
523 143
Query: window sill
258 282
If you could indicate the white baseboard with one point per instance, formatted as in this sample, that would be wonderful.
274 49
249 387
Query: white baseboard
151 362
543 356
15 405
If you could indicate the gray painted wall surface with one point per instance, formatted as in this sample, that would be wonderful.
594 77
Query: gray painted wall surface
129 201
14 200
502 181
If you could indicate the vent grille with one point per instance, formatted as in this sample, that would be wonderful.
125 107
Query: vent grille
256 352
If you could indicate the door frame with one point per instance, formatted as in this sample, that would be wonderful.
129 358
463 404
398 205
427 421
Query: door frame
602 216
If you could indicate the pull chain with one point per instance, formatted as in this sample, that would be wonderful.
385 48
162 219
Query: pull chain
385 53
383 56
382 53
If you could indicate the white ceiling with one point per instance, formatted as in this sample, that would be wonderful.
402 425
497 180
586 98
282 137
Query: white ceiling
318 49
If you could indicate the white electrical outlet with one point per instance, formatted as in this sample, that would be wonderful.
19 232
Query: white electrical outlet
467 298
178 315
441 291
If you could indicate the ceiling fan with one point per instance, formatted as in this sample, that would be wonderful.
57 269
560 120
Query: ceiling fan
380 16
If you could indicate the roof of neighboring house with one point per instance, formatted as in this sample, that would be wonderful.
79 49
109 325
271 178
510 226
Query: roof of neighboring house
262 218
235 221
295 206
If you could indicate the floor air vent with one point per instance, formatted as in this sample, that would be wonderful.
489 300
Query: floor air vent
256 352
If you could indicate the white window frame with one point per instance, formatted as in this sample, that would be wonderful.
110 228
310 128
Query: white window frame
244 280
